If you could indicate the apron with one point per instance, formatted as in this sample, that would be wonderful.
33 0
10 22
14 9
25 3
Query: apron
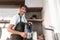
19 27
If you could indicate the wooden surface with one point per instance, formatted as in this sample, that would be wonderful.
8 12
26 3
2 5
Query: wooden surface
12 2
4 21
35 20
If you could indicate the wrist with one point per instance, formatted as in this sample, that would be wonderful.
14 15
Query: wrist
19 33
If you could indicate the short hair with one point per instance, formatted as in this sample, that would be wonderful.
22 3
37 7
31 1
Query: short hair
23 6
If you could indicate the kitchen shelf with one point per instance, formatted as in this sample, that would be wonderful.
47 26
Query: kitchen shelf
4 21
35 20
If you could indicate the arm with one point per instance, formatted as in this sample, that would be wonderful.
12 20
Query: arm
15 32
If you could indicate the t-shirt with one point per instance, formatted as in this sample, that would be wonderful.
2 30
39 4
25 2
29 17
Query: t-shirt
16 19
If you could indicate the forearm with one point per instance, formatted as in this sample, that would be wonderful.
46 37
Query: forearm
23 34
12 30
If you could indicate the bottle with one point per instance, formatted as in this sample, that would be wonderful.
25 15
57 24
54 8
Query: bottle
29 27
29 30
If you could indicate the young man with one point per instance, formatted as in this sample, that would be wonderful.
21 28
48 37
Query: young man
17 23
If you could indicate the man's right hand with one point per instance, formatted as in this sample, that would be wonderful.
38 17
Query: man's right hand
23 34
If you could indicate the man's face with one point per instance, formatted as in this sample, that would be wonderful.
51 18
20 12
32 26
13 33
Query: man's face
22 10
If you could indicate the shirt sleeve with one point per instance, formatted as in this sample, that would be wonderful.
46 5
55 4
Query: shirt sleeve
25 20
13 20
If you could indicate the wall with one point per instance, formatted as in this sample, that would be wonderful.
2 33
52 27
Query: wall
6 13
33 3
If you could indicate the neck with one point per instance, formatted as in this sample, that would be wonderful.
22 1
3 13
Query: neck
20 14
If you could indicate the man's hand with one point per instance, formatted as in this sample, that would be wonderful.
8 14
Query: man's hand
30 22
23 34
